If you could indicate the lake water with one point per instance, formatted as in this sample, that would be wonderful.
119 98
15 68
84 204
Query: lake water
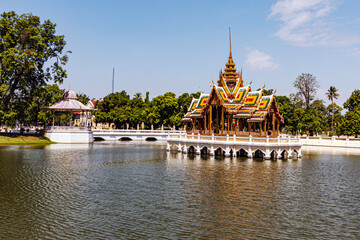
140 191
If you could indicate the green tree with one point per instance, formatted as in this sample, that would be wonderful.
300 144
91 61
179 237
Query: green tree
147 97
31 54
307 86
286 109
335 117
351 124
331 94
83 98
165 110
354 101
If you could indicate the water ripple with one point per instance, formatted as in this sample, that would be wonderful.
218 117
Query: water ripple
138 191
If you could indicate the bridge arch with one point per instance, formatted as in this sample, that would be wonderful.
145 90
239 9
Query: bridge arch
151 139
294 154
259 153
284 154
274 155
173 147
191 149
242 153
204 150
125 139
219 151
99 139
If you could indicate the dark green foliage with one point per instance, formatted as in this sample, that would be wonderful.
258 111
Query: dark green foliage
351 123
353 102
166 109
31 54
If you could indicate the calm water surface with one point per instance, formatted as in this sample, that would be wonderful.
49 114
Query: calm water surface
139 191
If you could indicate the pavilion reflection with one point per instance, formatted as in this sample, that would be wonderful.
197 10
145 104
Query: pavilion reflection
233 191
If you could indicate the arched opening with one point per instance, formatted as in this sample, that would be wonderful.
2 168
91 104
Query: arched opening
125 139
273 155
259 154
294 154
151 139
98 139
284 154
242 153
173 147
191 149
219 152
204 151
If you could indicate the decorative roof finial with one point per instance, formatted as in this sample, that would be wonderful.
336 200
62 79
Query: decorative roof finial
230 41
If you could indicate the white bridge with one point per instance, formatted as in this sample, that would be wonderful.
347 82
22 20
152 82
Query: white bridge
128 135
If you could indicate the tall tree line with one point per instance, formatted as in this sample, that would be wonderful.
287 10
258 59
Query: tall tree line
32 56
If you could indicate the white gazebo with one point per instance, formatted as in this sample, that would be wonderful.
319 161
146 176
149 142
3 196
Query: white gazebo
71 134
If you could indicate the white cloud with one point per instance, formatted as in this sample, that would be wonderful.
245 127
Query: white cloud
305 23
259 61
354 52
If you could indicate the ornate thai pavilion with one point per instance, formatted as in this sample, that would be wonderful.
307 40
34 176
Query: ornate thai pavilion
232 108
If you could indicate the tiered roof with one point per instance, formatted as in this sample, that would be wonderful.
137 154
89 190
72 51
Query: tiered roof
237 100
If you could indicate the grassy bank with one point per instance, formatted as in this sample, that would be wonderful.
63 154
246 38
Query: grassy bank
16 139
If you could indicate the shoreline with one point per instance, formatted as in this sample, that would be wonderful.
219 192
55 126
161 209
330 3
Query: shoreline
331 142
22 139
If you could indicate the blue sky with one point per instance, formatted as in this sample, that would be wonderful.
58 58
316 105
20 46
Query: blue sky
180 46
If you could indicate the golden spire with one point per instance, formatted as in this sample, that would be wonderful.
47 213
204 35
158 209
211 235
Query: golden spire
230 74
230 56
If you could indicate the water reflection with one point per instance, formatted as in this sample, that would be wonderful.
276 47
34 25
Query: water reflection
138 190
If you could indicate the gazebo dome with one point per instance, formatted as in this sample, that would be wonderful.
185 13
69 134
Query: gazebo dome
69 95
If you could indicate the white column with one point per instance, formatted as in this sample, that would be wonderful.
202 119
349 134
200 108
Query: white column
250 152
198 150
212 152
289 153
184 148
234 152
179 147
227 151
267 154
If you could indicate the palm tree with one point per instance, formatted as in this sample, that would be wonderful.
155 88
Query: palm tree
331 94
137 95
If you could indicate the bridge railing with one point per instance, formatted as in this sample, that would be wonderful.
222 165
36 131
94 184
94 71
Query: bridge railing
234 138
66 128
137 131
